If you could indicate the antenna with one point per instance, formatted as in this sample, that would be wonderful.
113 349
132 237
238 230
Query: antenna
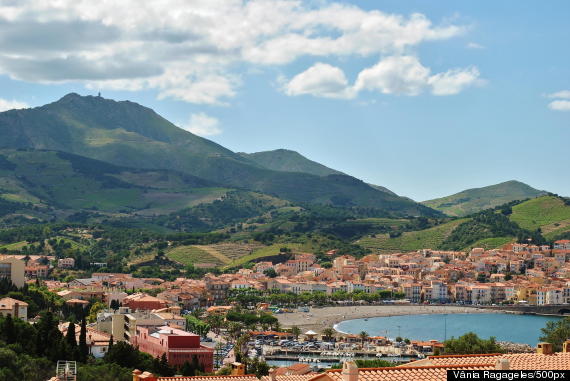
99 94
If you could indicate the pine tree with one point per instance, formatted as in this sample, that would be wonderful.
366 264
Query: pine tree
83 348
188 370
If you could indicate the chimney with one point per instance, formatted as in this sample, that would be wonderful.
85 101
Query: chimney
238 369
136 374
566 346
349 371
502 364
272 374
544 349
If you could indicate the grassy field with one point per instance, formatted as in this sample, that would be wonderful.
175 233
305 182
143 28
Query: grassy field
14 246
192 255
542 212
490 243
409 241
265 251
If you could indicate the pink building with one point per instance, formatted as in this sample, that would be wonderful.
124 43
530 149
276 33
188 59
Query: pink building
178 345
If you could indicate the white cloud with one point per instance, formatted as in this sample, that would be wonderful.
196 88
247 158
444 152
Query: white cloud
403 75
559 105
564 94
453 81
203 125
474 45
320 80
6 105
399 75
192 50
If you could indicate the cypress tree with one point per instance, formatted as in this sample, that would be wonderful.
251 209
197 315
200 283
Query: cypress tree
83 348
70 337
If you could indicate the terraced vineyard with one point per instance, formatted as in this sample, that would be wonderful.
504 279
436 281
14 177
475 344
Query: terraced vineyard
548 213
409 241
491 243
194 255
265 251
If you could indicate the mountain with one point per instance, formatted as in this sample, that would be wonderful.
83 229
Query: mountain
289 161
130 135
56 183
474 200
292 161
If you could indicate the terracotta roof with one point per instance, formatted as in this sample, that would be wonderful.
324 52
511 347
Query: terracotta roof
516 360
427 373
211 378
10 302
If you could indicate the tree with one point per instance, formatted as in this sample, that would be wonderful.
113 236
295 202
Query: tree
328 333
363 336
70 336
187 369
115 304
556 332
470 343
9 330
270 272
295 331
83 348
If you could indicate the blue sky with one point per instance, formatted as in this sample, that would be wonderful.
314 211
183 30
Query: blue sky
425 98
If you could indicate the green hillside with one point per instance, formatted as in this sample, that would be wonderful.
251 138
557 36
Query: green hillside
289 161
431 238
128 134
549 213
477 199
56 182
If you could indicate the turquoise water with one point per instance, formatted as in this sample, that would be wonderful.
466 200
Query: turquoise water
505 327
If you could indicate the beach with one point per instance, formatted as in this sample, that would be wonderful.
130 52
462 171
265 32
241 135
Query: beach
320 318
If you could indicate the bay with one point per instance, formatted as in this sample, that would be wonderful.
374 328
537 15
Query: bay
505 327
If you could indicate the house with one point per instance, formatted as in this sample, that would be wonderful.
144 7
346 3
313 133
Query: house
179 346
66 263
15 308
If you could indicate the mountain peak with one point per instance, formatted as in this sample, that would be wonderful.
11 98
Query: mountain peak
477 199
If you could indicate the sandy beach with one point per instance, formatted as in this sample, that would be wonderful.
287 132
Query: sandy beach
320 318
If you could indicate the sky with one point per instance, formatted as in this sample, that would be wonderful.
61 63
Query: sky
427 98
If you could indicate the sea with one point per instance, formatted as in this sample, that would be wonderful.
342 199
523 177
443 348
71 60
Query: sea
525 329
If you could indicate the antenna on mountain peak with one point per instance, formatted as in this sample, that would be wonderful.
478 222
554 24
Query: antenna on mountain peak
99 94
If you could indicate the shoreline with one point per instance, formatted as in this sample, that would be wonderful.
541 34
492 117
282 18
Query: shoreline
328 317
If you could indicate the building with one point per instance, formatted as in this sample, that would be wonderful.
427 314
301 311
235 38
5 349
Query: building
66 263
12 269
142 301
14 307
36 271
178 345
122 324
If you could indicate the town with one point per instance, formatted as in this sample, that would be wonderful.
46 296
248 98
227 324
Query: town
200 321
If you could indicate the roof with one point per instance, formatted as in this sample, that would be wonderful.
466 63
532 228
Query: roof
210 378
290 377
517 360
10 302
427 373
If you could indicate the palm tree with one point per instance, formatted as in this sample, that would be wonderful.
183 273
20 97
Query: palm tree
328 333
295 331
363 336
